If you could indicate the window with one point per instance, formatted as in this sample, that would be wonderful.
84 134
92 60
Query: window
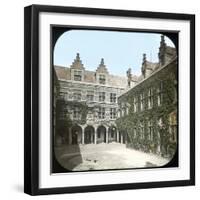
90 115
127 109
150 130
134 132
90 96
173 132
113 97
175 91
124 111
173 126
159 127
113 113
102 96
142 130
77 75
102 79
142 101
135 104
150 98
76 113
77 96
101 113
129 83
160 94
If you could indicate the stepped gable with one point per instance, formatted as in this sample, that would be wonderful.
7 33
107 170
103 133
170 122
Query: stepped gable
102 67
77 64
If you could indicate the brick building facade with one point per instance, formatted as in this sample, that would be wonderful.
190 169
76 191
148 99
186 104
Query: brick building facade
90 101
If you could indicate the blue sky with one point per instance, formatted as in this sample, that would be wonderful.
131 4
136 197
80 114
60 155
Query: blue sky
120 50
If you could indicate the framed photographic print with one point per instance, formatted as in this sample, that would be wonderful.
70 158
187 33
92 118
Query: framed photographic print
109 99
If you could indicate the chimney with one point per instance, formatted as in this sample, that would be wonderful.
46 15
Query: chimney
143 69
162 50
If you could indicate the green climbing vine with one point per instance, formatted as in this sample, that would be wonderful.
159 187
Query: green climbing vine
131 122
83 109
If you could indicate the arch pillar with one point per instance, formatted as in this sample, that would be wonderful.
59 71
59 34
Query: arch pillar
117 136
83 135
107 135
70 135
121 139
95 135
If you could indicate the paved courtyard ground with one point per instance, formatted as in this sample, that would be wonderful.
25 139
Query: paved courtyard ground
105 156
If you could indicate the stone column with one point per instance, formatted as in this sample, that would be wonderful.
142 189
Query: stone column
70 135
117 136
121 138
83 136
106 135
95 135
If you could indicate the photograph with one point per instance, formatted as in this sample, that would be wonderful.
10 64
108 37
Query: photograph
109 99
114 99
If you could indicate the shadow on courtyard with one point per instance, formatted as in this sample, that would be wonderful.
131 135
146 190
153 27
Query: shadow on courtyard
105 157
66 158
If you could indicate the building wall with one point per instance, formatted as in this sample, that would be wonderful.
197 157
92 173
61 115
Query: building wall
145 106
89 118
148 112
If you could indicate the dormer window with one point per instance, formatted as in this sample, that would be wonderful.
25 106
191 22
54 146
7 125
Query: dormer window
102 79
77 75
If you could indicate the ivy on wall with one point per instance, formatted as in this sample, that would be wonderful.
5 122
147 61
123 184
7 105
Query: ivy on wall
63 120
131 123
83 108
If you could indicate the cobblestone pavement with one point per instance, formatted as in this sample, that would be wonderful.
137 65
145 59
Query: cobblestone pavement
105 156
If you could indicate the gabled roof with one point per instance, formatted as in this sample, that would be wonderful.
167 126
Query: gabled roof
64 73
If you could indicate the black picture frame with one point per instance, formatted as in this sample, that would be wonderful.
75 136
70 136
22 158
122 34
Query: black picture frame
31 98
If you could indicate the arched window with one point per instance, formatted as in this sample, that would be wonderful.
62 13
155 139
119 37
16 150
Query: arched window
150 129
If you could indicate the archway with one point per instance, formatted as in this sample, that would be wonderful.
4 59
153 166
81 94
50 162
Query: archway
76 134
89 135
101 134
112 134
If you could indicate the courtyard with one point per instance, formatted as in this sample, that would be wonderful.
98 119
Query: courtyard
105 156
